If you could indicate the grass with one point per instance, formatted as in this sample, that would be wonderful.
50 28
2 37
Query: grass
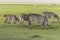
23 33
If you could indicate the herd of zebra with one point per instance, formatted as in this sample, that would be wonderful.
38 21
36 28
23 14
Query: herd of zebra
42 19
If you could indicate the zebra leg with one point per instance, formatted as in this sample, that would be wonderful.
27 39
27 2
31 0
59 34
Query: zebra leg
29 24
12 21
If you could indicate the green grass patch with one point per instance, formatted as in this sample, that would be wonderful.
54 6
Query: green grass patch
23 33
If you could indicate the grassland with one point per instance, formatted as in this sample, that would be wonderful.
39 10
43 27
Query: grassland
23 33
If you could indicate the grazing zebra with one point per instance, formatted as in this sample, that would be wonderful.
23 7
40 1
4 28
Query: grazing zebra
10 17
36 18
51 15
